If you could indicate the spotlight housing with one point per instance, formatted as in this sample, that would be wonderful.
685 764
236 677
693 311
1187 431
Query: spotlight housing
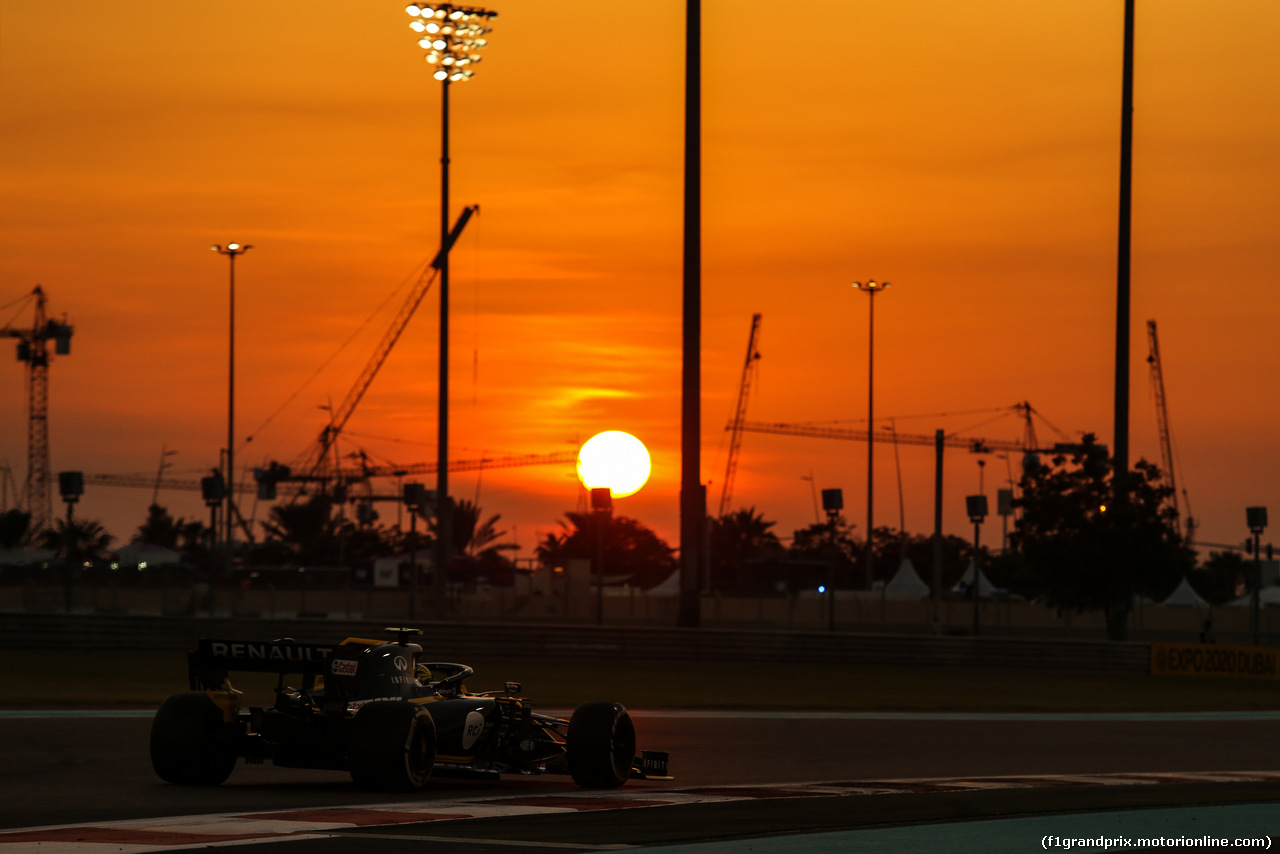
453 36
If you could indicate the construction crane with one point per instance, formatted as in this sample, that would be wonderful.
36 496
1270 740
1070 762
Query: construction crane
974 446
1166 437
316 461
150 481
1029 446
33 349
7 486
477 464
276 474
818 431
1029 443
740 414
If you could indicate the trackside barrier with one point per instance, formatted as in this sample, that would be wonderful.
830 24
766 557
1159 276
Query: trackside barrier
1190 659
464 641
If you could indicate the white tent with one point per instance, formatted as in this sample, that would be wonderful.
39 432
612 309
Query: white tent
906 583
985 587
1184 594
670 586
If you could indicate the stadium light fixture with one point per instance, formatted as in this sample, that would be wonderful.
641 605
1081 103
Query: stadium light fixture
452 37
871 288
231 250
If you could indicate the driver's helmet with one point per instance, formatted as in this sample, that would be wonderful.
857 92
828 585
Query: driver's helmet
423 673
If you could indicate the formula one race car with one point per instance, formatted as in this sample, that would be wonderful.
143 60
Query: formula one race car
371 708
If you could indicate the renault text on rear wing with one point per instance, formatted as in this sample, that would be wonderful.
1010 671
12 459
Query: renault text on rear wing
211 660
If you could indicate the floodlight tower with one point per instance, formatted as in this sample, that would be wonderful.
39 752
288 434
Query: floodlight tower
871 287
452 36
231 250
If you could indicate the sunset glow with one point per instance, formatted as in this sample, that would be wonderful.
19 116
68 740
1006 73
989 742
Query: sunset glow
615 460
966 152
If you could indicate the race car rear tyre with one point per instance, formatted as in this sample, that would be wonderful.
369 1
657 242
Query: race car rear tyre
600 746
190 743
393 746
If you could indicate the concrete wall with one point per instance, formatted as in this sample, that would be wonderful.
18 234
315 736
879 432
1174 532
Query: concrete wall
574 601
461 639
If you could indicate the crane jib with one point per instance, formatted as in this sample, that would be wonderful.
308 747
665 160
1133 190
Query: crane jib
317 459
454 234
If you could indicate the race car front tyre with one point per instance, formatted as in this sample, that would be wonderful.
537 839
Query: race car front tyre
393 746
600 746
190 744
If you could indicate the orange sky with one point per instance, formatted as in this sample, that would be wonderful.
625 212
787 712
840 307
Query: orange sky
967 152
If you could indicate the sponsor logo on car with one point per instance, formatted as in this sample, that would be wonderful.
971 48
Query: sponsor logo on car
343 667
472 729
236 650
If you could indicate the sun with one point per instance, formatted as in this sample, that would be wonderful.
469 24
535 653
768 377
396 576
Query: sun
614 459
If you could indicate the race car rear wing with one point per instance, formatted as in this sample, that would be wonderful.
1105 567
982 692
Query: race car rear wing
209 663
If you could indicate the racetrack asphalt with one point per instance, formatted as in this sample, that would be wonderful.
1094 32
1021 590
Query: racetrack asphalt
62 770
960 821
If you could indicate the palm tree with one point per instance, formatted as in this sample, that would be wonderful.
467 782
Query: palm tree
470 535
161 529
476 550
736 538
631 549
306 528
77 540
550 551
825 538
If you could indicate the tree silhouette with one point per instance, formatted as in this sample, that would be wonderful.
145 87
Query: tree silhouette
1225 577
549 551
13 528
631 550
477 553
471 535
1089 552
161 529
307 529
821 538
823 543
411 539
77 540
366 542
737 538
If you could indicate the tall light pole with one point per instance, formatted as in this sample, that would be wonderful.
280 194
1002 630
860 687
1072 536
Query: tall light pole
693 505
1118 611
231 250
872 288
451 36
1121 439
601 516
